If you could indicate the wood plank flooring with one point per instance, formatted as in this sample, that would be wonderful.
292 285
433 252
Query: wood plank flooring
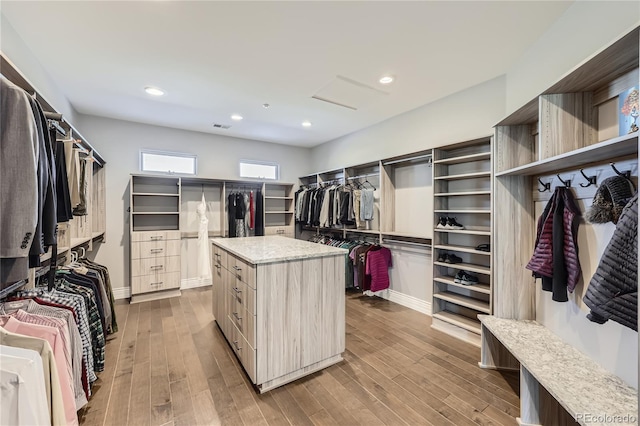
170 365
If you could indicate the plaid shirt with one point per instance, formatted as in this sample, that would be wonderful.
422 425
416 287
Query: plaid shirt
78 305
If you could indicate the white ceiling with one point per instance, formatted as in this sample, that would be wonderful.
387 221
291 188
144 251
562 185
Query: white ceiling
219 58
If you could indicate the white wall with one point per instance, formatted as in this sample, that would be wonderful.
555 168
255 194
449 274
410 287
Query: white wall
119 143
465 115
14 48
584 29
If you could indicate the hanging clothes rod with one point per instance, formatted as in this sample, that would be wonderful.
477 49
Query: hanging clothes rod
54 116
363 176
13 287
54 124
409 243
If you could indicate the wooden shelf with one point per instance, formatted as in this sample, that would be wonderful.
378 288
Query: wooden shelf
466 301
452 194
194 234
404 234
480 287
458 320
473 231
466 267
362 231
155 194
464 211
464 176
278 198
155 213
274 212
612 148
464 158
75 242
462 249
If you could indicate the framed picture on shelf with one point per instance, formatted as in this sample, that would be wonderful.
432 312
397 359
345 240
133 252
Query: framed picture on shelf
628 110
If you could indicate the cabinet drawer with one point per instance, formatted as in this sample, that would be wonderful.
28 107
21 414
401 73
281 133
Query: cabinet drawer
245 353
245 295
155 235
219 256
243 320
157 265
148 249
278 230
155 282
246 272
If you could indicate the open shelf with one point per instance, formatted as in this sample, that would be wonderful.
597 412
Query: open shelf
154 213
461 249
464 176
362 231
278 212
154 194
278 198
452 194
75 242
458 320
406 235
475 231
480 287
612 148
466 267
466 301
463 211
464 158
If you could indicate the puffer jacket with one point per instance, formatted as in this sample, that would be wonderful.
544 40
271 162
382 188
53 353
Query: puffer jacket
613 291
555 256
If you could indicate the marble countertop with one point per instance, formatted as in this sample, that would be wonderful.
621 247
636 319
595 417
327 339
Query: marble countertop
580 384
274 248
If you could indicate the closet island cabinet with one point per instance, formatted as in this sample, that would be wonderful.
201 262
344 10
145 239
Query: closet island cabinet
280 303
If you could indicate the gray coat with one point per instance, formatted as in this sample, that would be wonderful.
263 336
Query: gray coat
19 155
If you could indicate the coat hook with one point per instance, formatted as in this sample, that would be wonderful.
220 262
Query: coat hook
546 186
566 183
591 180
626 174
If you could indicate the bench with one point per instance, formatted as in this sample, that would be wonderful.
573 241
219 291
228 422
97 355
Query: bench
589 394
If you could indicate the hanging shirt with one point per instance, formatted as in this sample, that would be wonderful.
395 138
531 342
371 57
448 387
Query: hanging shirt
378 264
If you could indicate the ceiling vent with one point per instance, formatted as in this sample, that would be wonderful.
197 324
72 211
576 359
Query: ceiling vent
348 93
221 126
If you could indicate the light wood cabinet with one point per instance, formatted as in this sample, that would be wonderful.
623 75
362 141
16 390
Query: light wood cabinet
283 319
462 190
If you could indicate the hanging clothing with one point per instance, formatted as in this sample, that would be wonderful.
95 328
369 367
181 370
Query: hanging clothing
252 211
555 257
204 257
81 208
231 214
377 266
366 206
73 173
259 229
63 198
613 290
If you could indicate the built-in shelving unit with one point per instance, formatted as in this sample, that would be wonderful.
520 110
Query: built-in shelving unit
462 189
279 209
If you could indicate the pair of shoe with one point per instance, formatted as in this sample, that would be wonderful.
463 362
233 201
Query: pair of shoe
449 258
465 278
483 247
448 223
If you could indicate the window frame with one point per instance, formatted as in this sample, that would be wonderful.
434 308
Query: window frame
259 163
144 151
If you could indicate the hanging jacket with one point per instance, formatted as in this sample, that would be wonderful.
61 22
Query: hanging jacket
555 257
613 291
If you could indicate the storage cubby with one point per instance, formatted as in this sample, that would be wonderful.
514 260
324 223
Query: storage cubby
279 209
155 203
462 190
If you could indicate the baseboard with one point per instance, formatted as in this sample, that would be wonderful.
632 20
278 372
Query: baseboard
122 293
410 302
187 283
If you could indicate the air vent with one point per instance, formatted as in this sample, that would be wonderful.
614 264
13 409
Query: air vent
221 126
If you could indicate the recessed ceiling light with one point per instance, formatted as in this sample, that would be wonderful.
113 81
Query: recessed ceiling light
154 91
306 123
387 79
266 105
236 117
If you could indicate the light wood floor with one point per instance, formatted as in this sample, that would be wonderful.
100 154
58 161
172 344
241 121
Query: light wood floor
170 365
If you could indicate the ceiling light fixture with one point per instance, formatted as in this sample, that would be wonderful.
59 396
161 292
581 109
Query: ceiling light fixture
306 123
236 117
387 79
154 91
266 105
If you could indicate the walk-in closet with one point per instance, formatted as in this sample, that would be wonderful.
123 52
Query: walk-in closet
319 213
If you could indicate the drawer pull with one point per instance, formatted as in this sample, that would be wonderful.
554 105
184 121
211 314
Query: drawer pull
235 314
156 250
156 238
157 267
235 343
237 290
237 269
158 283
217 266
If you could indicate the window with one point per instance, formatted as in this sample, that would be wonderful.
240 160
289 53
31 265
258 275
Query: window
168 162
259 170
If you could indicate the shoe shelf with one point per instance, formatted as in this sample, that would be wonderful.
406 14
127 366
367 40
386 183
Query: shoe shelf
466 301
474 175
462 187
458 320
471 267
463 249
480 287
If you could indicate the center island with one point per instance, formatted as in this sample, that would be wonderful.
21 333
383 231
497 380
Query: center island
280 303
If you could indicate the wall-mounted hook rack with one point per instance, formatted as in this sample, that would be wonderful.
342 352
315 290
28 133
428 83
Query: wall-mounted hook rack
566 183
591 180
546 186
626 174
